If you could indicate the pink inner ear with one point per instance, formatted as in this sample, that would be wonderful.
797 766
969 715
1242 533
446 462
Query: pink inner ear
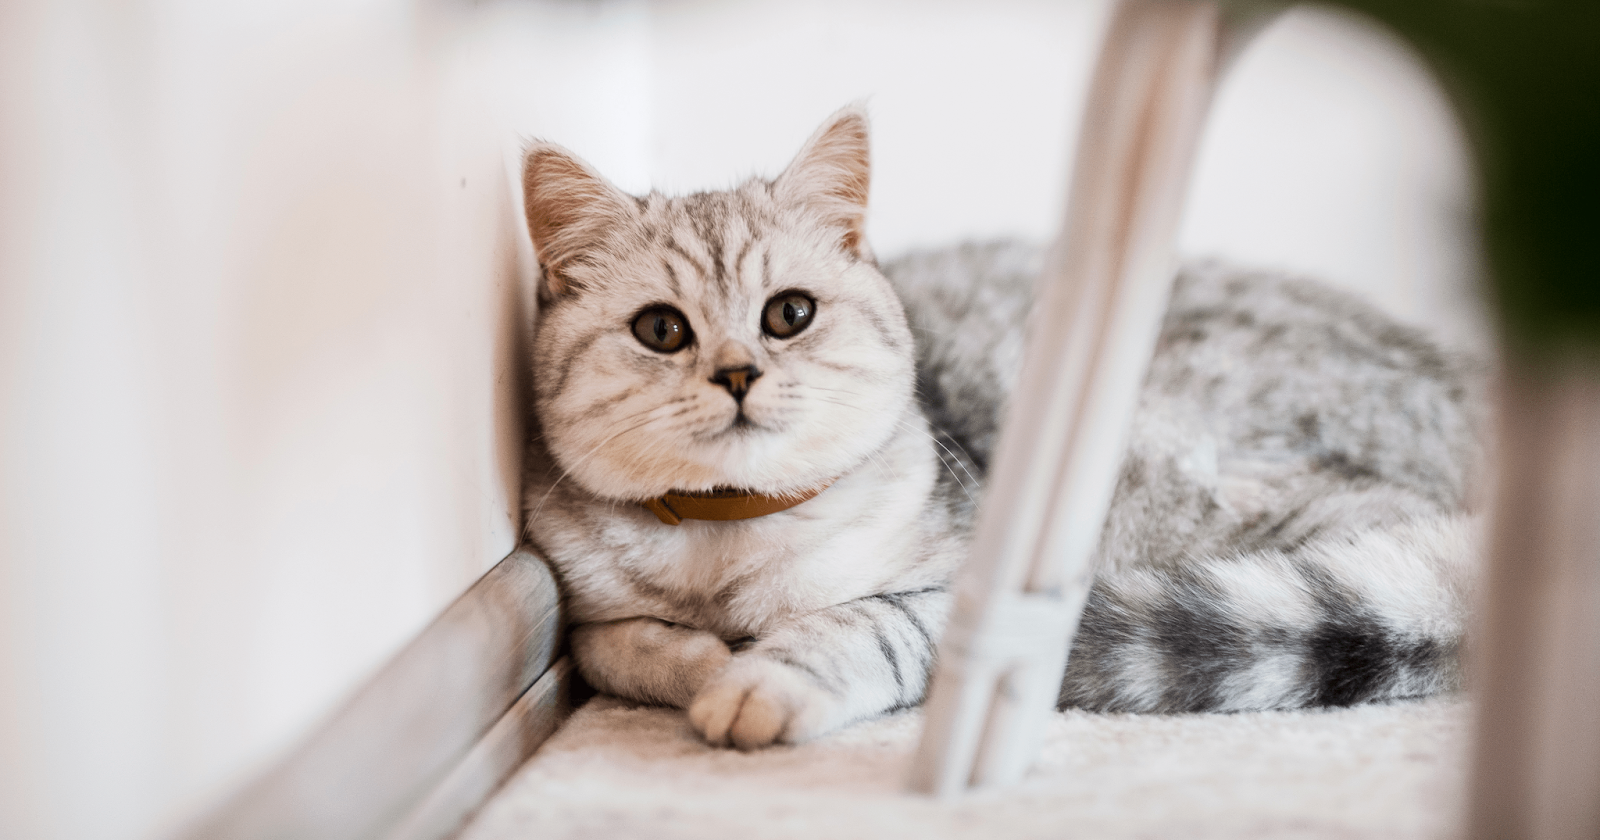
853 236
568 207
833 175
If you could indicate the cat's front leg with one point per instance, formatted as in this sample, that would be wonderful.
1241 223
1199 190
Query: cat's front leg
648 659
823 670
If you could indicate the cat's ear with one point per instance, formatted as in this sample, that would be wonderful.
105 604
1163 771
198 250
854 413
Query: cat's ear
831 176
569 207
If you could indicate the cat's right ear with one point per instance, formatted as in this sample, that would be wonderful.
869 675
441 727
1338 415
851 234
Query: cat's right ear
569 207
832 175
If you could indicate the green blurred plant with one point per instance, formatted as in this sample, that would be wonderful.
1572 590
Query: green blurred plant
1525 78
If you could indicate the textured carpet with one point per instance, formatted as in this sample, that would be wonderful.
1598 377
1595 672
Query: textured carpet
616 770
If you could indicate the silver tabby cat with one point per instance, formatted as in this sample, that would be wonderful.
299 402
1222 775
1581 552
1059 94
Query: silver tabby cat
1290 528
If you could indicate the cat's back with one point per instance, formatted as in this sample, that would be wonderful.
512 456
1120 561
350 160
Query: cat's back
1277 366
1266 394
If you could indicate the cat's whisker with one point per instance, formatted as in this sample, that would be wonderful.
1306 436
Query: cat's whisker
906 424
833 390
947 436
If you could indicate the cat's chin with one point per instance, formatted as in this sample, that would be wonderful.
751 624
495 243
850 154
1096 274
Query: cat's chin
693 478
740 427
743 457
631 490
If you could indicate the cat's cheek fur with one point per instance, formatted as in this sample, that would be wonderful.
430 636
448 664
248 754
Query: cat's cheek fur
756 702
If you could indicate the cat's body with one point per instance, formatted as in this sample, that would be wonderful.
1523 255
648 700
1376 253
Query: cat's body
1278 529
1292 521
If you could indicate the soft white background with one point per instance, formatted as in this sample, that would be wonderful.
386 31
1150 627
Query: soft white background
260 287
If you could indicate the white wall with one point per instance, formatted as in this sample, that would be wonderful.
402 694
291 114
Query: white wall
259 296
259 414
1330 151
972 103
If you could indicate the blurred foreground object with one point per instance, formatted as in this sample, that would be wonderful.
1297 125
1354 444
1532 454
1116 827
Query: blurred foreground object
1023 588
1526 78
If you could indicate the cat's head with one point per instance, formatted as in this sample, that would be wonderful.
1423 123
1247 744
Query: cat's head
742 338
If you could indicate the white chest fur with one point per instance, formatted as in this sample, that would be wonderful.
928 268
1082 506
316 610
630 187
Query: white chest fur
857 538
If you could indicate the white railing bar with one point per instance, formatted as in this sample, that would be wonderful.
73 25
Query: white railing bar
1099 307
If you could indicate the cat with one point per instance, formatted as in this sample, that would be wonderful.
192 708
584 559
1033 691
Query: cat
755 484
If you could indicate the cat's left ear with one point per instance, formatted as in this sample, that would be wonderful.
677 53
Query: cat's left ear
831 176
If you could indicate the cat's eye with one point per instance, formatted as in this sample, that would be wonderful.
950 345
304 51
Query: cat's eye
787 314
662 329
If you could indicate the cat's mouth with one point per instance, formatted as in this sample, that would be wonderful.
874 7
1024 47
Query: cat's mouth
741 424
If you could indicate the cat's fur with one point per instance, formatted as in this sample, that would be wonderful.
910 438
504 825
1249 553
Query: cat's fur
1291 526
1288 528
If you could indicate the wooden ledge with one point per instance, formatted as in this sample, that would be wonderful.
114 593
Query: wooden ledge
418 747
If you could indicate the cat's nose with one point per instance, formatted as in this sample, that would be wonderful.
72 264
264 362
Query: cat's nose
737 379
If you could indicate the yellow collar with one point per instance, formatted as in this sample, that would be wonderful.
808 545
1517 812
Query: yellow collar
724 505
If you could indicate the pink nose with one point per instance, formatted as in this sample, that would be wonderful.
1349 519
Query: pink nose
737 380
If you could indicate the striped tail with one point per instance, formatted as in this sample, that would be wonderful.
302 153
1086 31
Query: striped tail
1339 621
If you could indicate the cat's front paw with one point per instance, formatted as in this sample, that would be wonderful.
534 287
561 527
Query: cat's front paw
648 659
757 701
